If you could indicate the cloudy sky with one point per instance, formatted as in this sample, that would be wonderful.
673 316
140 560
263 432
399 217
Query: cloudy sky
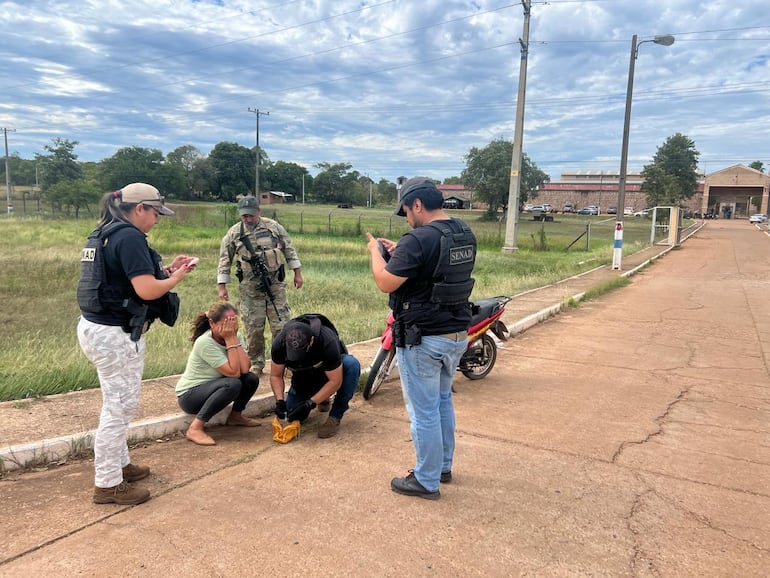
393 87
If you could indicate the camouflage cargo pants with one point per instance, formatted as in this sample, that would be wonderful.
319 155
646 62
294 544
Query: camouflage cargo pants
119 363
255 309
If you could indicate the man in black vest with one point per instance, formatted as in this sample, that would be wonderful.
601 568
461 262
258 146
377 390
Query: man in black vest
320 367
428 276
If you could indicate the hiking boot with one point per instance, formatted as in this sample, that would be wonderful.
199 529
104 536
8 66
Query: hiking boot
329 428
446 477
409 486
122 494
132 473
325 405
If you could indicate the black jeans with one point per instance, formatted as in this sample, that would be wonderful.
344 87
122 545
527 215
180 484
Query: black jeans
211 397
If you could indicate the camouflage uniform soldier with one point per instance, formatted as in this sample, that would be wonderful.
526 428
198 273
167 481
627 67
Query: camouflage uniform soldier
268 239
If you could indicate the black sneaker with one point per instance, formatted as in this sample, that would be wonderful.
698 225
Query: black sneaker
409 486
446 477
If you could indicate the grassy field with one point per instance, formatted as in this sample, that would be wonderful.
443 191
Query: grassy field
39 268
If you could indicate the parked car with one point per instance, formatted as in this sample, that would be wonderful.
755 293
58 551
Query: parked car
612 211
546 208
628 211
642 213
589 210
345 206
758 218
568 208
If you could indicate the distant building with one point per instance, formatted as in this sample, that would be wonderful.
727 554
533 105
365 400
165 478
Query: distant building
736 191
459 197
600 188
274 197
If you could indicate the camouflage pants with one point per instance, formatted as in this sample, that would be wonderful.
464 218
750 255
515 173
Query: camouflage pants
119 363
255 309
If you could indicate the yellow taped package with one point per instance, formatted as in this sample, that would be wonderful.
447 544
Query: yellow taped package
284 434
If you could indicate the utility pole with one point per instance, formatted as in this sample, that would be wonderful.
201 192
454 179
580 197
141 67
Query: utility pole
512 218
257 112
8 169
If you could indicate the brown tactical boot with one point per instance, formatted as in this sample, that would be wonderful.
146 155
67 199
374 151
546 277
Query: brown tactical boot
132 473
122 494
329 428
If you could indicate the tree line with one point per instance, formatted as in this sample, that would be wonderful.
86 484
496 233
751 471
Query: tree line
229 170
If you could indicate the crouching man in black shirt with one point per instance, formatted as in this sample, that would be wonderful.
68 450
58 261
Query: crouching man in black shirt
320 366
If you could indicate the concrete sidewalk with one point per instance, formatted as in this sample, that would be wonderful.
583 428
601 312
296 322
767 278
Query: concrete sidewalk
53 429
625 437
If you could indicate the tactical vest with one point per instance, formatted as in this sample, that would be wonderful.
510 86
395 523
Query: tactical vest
95 294
453 283
266 243
451 280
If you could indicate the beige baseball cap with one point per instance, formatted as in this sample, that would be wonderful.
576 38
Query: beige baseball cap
146 195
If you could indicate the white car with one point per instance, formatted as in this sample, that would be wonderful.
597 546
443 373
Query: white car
758 218
642 213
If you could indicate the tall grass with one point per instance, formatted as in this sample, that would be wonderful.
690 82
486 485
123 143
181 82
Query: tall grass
39 268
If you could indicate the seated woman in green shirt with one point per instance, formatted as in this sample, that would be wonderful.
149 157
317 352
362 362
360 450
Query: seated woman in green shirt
217 373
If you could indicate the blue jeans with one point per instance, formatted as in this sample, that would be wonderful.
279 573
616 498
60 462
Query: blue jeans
351 371
426 373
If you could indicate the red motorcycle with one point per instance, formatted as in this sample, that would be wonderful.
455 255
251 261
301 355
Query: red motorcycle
477 361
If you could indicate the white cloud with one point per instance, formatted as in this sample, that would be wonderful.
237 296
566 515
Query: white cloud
391 86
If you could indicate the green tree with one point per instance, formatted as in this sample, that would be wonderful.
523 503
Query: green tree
386 193
488 173
60 164
204 180
661 187
453 181
336 183
286 177
76 195
186 158
22 171
673 175
234 166
142 165
758 166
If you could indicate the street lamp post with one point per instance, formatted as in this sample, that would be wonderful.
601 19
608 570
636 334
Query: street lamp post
617 253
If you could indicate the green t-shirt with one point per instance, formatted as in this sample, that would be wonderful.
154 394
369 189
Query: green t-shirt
206 356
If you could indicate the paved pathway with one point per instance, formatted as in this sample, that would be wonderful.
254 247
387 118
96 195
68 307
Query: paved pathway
628 436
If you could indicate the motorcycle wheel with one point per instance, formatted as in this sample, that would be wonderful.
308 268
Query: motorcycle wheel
379 371
479 368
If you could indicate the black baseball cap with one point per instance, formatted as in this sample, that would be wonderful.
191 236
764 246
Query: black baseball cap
298 336
418 188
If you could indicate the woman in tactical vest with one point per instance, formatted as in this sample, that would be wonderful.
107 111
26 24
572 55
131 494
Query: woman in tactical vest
123 288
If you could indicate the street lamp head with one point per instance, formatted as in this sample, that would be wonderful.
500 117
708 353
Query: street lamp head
664 40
